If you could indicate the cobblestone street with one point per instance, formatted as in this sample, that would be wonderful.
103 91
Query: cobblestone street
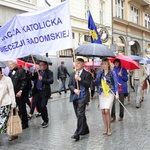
131 134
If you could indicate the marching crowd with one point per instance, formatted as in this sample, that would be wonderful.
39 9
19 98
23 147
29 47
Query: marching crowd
111 83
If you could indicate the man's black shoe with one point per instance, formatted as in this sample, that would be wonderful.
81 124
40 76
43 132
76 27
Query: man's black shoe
59 93
76 137
44 124
24 126
87 132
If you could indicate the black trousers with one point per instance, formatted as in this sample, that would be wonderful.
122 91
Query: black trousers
28 102
121 112
40 100
79 108
21 103
33 106
92 87
92 92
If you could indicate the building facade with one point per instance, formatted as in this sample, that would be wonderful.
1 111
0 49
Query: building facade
131 26
100 10
101 13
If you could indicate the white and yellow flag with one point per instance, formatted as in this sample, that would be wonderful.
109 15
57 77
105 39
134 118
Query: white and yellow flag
105 88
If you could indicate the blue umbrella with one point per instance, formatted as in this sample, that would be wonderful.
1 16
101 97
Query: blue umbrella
144 61
135 57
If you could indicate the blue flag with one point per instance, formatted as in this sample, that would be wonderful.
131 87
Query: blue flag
95 37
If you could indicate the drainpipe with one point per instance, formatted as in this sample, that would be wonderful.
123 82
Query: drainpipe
49 6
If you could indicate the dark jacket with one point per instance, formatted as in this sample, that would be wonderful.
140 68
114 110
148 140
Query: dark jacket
85 82
46 81
62 72
18 77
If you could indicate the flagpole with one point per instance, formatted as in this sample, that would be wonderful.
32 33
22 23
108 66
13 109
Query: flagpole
122 104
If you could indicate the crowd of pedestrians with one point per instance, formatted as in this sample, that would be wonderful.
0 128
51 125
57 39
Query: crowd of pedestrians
119 81
15 90
33 87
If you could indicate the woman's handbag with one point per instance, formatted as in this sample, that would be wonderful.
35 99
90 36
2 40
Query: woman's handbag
119 87
14 126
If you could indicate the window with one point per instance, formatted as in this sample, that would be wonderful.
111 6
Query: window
101 12
119 9
134 15
147 21
73 36
65 53
120 43
86 8
87 38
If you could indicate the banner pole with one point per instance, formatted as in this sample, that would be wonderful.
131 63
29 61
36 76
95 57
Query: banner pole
75 68
35 65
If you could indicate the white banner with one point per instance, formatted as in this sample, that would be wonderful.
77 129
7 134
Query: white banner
37 32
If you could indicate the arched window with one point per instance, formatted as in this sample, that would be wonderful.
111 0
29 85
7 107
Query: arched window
121 44
135 49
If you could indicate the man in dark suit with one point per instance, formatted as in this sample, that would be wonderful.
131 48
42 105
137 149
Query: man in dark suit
18 78
41 90
79 86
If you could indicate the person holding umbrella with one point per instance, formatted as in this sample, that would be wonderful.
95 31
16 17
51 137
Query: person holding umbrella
108 88
41 90
122 78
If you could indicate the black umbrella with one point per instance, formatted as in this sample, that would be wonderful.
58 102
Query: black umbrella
94 50
37 59
2 65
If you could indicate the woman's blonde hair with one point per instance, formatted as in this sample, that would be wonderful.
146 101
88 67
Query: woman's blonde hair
107 60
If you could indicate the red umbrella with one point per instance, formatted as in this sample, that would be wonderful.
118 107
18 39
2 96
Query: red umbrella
21 63
126 62
91 64
28 65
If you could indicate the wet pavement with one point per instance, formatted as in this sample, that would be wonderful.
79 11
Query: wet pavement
130 134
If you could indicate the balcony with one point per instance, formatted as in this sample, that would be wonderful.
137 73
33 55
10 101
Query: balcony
141 2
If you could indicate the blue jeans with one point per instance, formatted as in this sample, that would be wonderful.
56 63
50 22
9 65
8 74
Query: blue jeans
63 82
